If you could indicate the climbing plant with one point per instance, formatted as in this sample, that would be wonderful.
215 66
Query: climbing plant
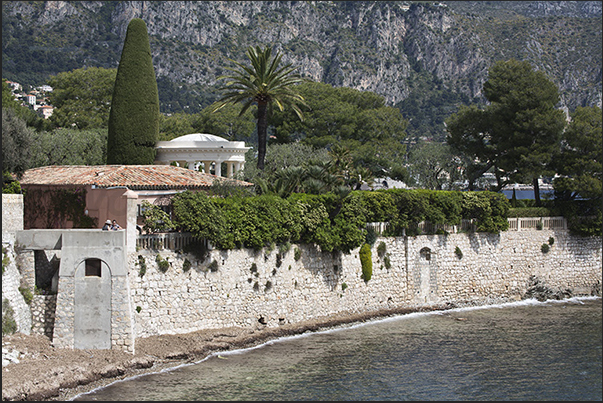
55 207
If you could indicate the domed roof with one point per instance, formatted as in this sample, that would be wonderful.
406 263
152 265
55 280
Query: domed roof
200 137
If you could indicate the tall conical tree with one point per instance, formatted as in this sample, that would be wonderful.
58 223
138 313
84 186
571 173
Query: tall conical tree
134 116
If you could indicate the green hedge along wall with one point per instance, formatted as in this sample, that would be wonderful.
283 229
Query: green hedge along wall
329 221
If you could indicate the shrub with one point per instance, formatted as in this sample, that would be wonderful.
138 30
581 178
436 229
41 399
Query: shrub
162 264
5 259
530 212
381 249
551 241
371 236
296 254
366 262
284 247
213 266
539 225
386 261
268 285
138 309
458 252
279 259
9 325
155 219
343 286
143 265
27 295
544 248
186 265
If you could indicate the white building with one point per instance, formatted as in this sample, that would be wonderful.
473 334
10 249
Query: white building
203 152
30 99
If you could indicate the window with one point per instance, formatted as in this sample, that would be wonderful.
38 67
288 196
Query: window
93 267
425 253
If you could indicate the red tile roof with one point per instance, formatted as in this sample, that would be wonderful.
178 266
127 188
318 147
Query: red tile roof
135 177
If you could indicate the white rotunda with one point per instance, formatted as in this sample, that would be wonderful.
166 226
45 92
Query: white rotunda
201 151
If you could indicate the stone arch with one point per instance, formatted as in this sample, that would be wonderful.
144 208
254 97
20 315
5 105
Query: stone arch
425 253
92 297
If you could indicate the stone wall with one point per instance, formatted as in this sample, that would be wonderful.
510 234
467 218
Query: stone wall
13 275
43 309
246 288
12 216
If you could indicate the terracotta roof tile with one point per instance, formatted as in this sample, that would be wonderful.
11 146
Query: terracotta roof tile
136 177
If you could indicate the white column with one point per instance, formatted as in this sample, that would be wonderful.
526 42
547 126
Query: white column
229 169
218 168
206 166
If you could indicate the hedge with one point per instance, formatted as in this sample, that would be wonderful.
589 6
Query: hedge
332 222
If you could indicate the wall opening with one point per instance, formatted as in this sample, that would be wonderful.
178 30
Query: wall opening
425 253
93 267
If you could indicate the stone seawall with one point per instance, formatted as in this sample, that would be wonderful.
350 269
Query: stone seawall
247 288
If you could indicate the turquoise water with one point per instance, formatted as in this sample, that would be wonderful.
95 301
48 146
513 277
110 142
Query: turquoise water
527 350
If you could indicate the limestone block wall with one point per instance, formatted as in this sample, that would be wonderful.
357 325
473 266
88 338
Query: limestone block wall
501 264
13 274
244 288
11 281
12 216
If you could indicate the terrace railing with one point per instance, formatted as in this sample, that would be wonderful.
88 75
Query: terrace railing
515 224
167 240
178 240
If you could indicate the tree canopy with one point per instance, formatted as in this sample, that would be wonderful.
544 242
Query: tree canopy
134 116
69 147
264 83
356 120
82 97
579 164
432 165
17 140
519 132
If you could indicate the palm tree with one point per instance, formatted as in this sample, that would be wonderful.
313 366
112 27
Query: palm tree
264 83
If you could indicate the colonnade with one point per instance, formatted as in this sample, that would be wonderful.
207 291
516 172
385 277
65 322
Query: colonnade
205 166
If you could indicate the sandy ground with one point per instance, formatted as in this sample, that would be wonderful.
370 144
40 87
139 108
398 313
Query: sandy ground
47 373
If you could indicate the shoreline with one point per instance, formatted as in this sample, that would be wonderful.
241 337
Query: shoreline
44 373
48 374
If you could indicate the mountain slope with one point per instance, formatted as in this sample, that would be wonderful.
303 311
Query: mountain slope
424 57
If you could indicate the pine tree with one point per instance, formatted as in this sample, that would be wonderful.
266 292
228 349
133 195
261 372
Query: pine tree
134 116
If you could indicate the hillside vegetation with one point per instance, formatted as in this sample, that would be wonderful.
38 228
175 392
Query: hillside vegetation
425 58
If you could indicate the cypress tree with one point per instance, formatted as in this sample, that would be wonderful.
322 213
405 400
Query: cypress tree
134 117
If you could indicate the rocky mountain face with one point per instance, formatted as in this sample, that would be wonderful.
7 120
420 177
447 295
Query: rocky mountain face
409 52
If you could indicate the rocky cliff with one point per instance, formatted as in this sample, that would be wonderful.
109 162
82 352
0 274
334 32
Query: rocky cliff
402 50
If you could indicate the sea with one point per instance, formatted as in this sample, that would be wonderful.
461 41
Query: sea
525 350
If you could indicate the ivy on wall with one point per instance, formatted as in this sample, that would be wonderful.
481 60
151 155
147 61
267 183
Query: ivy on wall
55 207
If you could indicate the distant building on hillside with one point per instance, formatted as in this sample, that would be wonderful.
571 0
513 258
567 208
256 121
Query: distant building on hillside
44 88
30 99
14 86
46 110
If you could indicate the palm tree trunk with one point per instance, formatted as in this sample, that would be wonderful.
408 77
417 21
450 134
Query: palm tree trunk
536 191
262 127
